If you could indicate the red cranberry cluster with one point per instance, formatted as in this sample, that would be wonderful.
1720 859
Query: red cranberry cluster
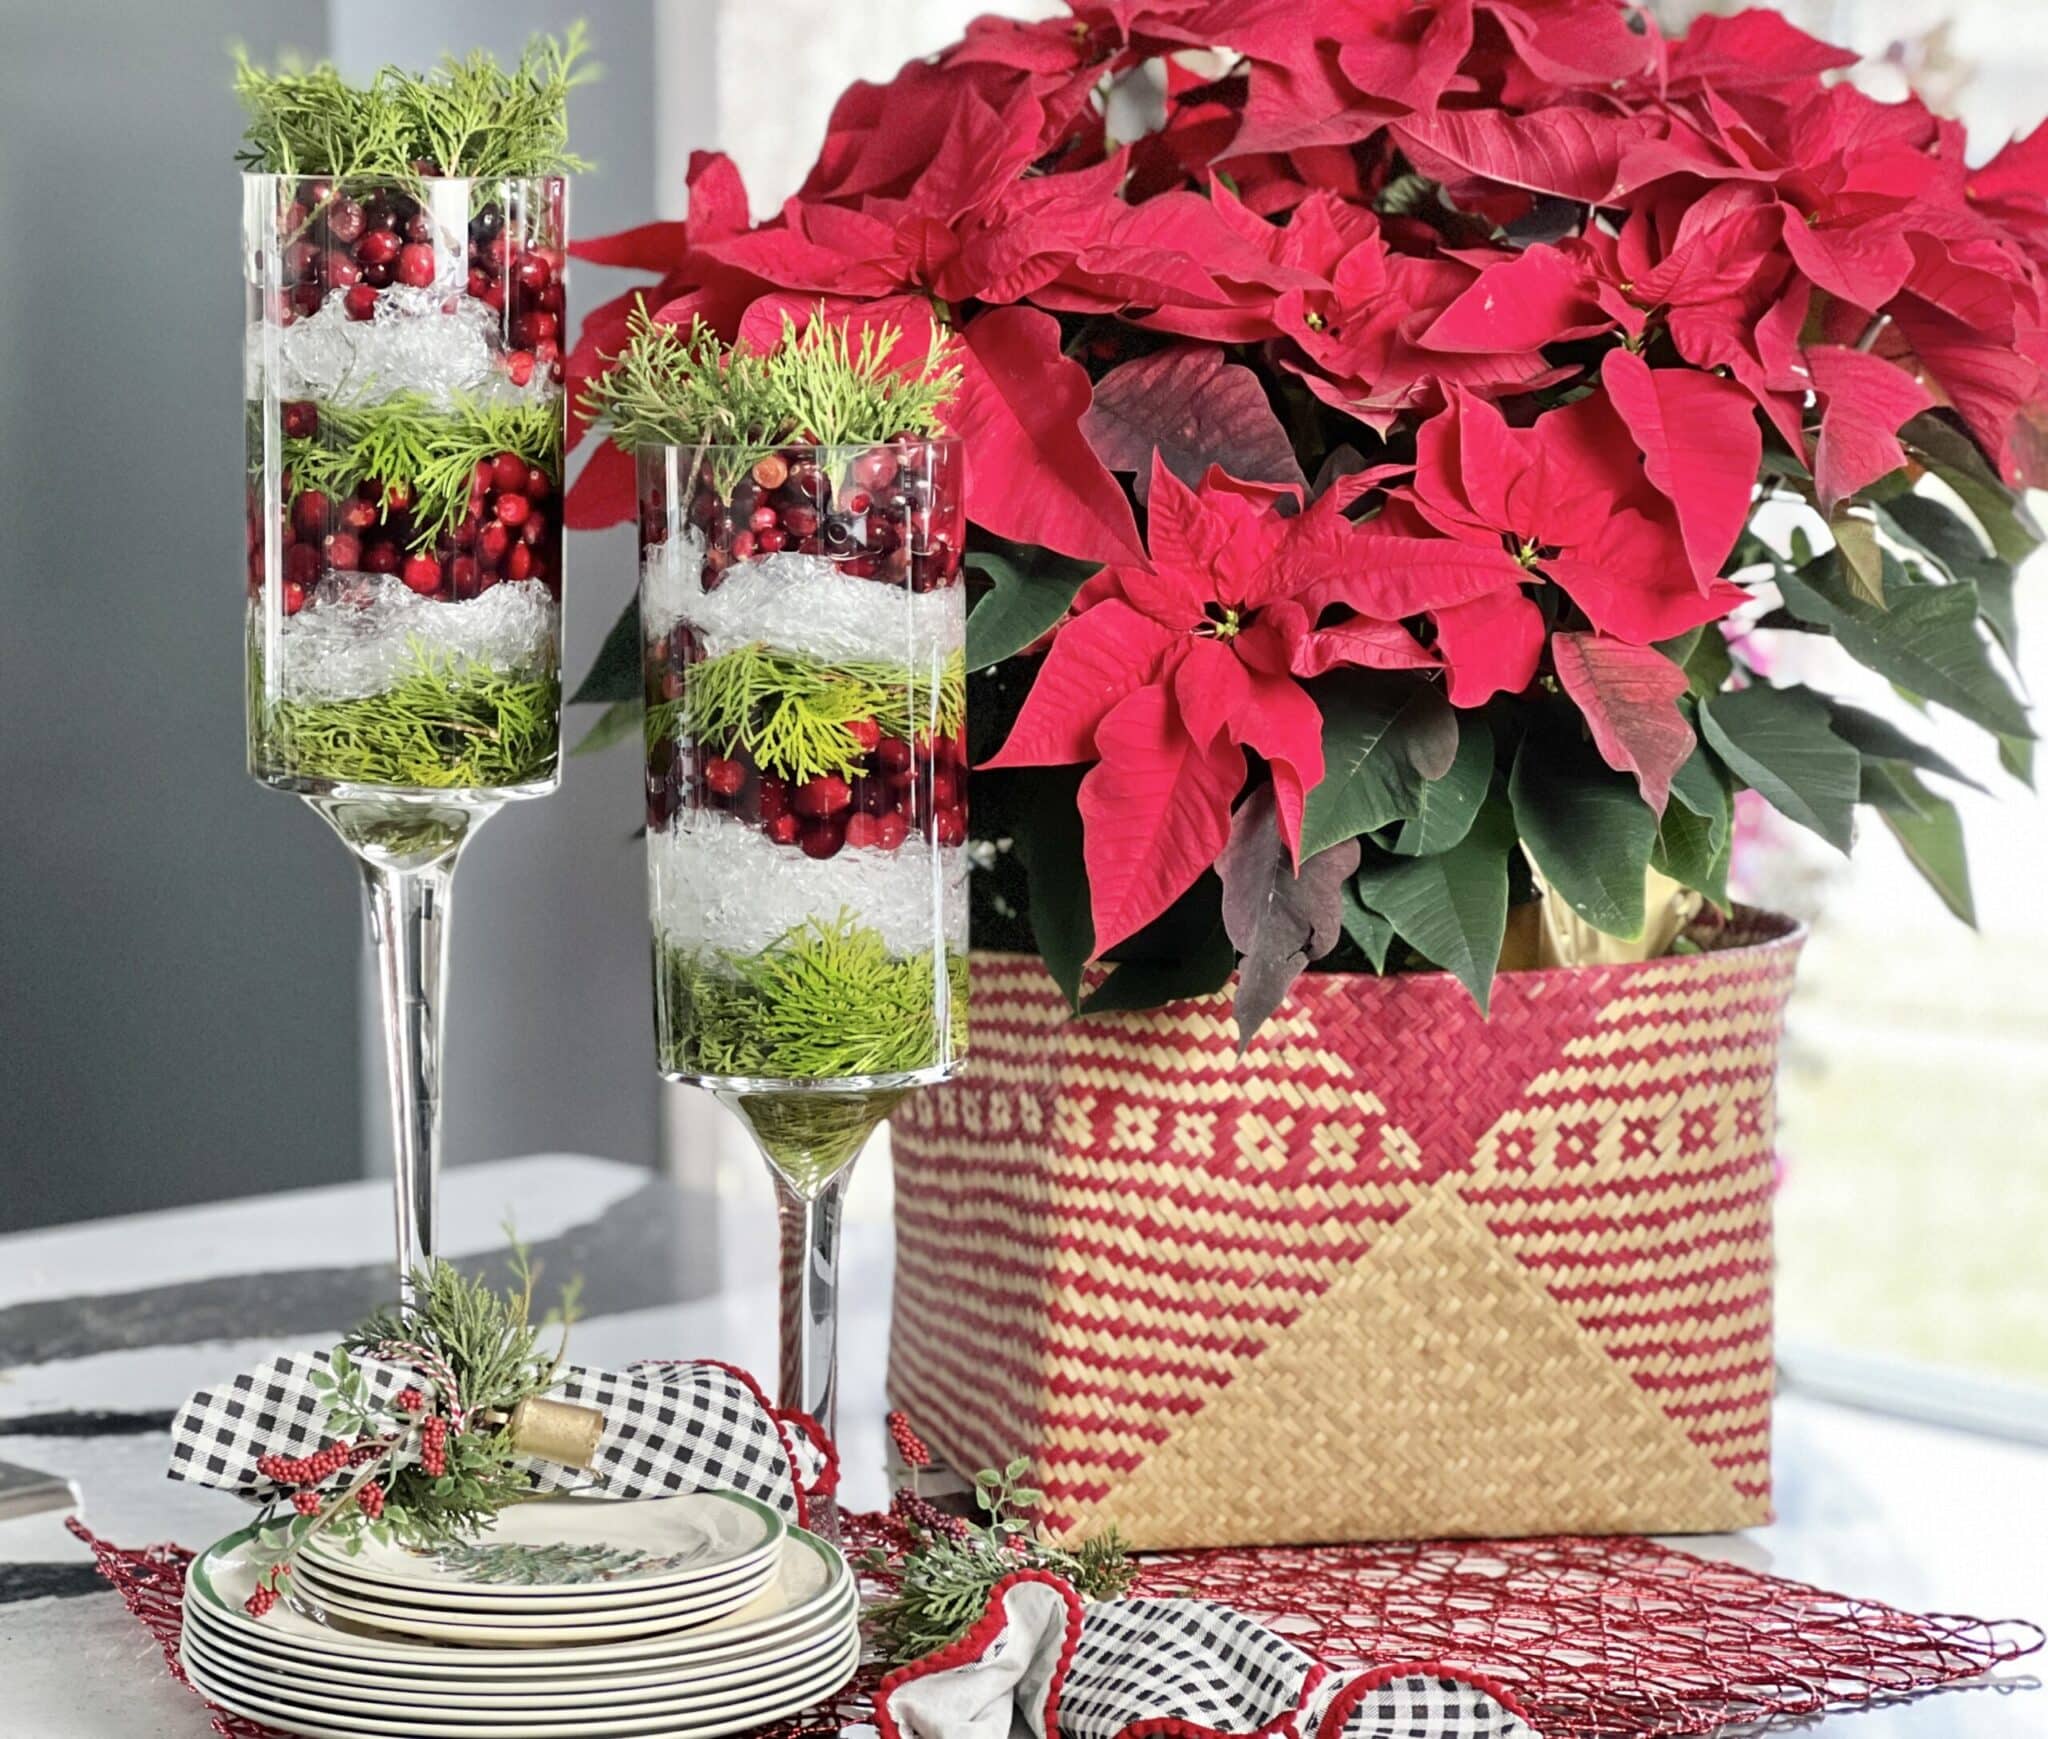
889 513
898 788
511 531
360 245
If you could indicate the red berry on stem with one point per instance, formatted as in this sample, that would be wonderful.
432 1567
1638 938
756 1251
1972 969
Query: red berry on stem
307 1503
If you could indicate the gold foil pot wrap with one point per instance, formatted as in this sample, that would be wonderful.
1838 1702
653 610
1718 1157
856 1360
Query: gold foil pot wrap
1550 933
555 1431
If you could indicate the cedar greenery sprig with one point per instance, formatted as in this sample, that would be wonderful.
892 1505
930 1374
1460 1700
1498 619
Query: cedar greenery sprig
825 386
434 1487
944 1582
795 716
466 117
432 449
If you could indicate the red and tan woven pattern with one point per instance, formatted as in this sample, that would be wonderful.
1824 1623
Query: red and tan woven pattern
1419 1272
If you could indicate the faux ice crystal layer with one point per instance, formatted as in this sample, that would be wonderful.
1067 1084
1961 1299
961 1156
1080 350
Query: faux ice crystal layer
424 341
361 633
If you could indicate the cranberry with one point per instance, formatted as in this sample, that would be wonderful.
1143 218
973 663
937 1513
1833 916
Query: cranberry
871 796
302 260
539 485
359 515
800 521
827 794
772 797
874 468
419 227
344 551
511 509
462 575
301 419
858 502
723 776
416 265
822 838
492 542
891 830
535 528
551 300
397 497
531 331
949 827
945 790
306 299
378 247
783 829
742 547
423 574
763 517
519 562
771 472
310 513
865 732
294 597
302 564
381 556
340 271
863 829
771 540
506 473
892 755
380 276
519 366
487 223
479 282
532 273
345 220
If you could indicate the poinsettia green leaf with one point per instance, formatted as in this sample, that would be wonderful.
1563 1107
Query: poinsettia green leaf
619 720
1384 735
1701 784
1777 741
1704 657
615 675
2016 756
1277 920
1862 563
1029 592
1930 832
1951 455
1696 834
1877 738
1883 787
1202 970
1444 807
1953 544
1450 907
1372 932
1057 876
1925 639
1586 827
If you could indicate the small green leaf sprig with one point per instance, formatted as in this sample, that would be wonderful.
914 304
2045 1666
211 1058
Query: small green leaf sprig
945 1580
825 387
401 1470
466 117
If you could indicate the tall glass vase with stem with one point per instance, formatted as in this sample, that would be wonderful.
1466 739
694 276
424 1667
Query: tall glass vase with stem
802 625
405 423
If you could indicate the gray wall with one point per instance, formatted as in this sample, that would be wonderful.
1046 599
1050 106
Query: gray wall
181 999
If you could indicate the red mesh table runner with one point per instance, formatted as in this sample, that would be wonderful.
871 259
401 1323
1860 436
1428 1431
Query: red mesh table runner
1598 1638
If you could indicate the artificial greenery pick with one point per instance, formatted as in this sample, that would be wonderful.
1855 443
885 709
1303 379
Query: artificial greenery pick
466 117
825 386
944 1581
398 1470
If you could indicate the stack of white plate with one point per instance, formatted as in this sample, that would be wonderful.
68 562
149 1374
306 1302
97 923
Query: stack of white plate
684 1616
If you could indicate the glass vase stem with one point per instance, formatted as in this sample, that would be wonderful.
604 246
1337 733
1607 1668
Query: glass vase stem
809 1367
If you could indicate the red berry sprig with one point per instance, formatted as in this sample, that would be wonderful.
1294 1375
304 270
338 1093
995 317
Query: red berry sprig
370 1500
411 1400
306 1502
909 1445
923 1516
305 1470
434 1447
265 1596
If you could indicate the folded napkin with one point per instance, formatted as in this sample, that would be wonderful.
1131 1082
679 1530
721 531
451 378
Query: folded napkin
669 1426
1187 1669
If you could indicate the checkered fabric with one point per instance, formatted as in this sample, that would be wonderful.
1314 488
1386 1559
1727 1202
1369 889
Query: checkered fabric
1186 1669
670 1428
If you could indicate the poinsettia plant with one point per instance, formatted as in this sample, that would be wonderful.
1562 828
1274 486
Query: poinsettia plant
1395 455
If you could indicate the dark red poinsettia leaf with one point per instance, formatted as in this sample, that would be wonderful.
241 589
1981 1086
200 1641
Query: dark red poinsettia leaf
606 491
1753 50
1195 408
1572 153
1865 400
1629 696
718 197
1031 475
1276 919
652 247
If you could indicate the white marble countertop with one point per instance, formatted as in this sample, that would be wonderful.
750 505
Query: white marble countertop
105 1327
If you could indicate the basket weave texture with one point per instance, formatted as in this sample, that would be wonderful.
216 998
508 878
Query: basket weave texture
1400 1272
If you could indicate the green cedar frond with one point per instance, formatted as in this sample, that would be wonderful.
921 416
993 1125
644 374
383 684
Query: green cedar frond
467 117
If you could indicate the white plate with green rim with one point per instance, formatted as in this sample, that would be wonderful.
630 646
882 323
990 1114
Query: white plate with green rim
313 1593
319 1720
622 1692
461 1678
607 1599
811 1578
579 1548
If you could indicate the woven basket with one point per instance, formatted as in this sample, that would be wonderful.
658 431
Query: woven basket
1399 1272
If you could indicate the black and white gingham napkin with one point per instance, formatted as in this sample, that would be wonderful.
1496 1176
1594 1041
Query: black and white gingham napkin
1185 1669
670 1427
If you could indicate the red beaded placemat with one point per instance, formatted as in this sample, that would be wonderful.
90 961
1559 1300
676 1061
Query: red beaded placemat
1598 1638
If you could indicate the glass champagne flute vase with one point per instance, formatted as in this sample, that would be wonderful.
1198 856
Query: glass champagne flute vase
802 622
405 418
